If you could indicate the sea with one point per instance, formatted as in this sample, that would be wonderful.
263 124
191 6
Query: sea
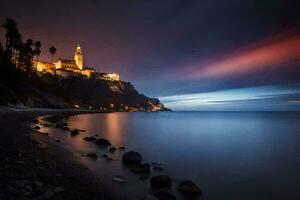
229 155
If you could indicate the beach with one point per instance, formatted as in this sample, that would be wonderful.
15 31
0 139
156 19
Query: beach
36 169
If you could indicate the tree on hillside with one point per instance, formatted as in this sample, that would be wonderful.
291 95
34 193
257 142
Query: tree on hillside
10 26
52 51
29 53
13 39
26 56
37 50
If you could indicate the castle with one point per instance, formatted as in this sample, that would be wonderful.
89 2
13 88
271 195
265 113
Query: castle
75 67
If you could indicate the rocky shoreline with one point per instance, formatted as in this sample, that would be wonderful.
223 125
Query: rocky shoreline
161 185
31 169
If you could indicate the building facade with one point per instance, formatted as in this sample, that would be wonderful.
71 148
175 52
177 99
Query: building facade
75 67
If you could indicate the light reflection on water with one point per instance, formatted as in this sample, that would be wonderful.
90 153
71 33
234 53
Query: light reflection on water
230 155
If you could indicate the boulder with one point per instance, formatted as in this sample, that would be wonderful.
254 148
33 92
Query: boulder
92 155
112 149
132 158
159 182
37 128
164 194
65 128
102 142
189 189
90 138
46 124
143 168
74 132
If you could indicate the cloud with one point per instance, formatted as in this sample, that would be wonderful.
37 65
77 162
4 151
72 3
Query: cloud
264 55
253 98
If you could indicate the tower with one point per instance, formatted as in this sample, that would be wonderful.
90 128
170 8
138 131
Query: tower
78 57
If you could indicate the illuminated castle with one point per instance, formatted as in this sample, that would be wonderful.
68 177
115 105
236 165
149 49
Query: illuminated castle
75 67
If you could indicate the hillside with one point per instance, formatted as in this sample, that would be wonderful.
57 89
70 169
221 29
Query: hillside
49 91
25 82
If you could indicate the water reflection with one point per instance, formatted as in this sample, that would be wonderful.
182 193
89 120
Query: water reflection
232 155
114 127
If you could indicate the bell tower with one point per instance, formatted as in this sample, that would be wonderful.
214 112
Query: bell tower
78 57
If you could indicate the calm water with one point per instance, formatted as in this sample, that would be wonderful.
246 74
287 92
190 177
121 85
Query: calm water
230 155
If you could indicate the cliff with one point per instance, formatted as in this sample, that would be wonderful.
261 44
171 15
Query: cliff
48 91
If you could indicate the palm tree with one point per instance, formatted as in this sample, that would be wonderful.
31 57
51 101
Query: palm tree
28 53
37 51
13 39
10 26
52 51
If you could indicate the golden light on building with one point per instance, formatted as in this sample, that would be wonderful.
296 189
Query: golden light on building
74 67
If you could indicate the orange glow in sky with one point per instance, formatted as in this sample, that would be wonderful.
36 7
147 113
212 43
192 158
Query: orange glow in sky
266 54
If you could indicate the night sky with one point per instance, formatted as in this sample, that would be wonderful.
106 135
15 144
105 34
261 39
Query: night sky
192 54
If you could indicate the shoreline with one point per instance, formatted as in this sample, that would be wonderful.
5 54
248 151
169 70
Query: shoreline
31 169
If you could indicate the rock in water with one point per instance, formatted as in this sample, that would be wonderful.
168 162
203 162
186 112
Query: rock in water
74 132
107 157
132 158
103 142
189 189
112 149
65 128
159 182
164 194
46 124
90 138
92 155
